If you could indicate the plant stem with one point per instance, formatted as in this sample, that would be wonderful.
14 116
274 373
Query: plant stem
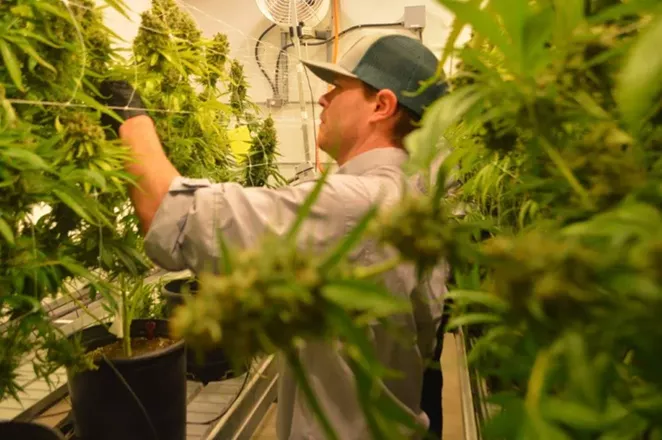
83 307
559 162
536 382
376 269
567 173
302 379
126 324
364 385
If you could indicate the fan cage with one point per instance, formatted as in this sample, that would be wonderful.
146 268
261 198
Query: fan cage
310 12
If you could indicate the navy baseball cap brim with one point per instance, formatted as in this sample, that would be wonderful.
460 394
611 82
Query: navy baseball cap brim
388 61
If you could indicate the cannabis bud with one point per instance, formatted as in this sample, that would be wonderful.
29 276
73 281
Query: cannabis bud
535 272
270 298
238 87
260 156
220 48
419 230
606 165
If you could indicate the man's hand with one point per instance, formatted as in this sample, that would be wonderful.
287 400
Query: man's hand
120 94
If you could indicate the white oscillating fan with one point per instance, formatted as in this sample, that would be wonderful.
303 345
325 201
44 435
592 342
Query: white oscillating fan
286 13
289 14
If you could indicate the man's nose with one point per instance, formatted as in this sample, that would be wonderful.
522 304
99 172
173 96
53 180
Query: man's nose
323 101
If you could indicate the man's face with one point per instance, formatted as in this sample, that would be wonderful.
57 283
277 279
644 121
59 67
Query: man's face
344 117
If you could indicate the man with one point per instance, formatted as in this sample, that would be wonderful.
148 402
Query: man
364 120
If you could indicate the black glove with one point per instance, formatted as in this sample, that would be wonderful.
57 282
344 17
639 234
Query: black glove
120 94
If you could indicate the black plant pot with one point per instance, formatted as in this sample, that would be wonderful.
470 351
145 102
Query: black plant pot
141 398
214 364
11 430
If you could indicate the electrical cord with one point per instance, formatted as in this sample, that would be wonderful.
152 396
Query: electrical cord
135 397
321 42
257 56
227 408
312 98
131 392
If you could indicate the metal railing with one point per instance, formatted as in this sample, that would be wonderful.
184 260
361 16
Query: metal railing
471 421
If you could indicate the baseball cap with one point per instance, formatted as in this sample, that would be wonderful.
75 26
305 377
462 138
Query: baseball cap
388 61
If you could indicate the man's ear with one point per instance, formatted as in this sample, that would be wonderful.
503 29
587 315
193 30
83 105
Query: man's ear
386 105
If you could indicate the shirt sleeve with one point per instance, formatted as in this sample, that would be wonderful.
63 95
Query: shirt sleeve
184 233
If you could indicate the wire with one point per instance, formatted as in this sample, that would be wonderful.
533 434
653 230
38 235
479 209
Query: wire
219 21
312 97
67 104
277 74
135 397
328 40
257 57
228 406
334 59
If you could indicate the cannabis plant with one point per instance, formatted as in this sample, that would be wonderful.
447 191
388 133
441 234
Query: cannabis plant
555 121
261 168
192 89
168 51
54 155
134 300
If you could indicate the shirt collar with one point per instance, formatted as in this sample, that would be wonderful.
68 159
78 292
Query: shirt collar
364 162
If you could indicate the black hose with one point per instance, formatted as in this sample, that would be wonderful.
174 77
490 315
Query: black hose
257 57
229 405
328 40
142 408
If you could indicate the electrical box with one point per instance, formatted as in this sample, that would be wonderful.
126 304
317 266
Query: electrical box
414 17
307 32
275 102
303 173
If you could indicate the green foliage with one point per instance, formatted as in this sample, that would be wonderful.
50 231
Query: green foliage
268 300
192 118
59 159
238 88
573 325
56 158
422 231
169 50
146 301
25 332
557 147
135 300
260 160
